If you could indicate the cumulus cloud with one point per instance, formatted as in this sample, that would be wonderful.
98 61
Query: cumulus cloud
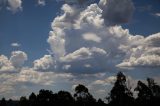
153 40
11 5
13 63
18 58
15 44
146 54
83 53
80 37
149 60
5 64
14 5
44 63
81 40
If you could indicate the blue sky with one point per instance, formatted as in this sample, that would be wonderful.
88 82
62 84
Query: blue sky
38 48
30 27
144 22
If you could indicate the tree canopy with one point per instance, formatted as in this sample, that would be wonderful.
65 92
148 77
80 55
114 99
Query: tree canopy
148 94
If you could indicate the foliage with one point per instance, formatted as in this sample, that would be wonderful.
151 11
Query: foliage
120 94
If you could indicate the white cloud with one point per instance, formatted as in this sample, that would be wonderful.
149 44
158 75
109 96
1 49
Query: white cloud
44 78
157 14
5 64
148 61
14 5
86 48
42 2
13 63
81 36
66 67
44 63
91 37
18 84
70 39
15 44
153 40
57 45
87 65
106 81
66 46
18 58
83 53
146 54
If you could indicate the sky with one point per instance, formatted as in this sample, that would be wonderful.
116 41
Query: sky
57 44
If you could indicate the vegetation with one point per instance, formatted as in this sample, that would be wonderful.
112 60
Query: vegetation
120 95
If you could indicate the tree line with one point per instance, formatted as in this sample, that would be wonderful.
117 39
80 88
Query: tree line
120 95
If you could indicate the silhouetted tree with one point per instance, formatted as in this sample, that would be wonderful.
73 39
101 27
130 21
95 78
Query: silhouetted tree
144 94
120 94
66 98
44 97
155 89
83 97
100 102
3 102
32 99
23 101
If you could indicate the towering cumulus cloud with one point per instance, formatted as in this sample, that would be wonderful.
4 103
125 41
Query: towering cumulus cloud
90 39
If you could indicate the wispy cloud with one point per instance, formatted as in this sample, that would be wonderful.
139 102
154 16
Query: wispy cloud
15 44
157 14
41 2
